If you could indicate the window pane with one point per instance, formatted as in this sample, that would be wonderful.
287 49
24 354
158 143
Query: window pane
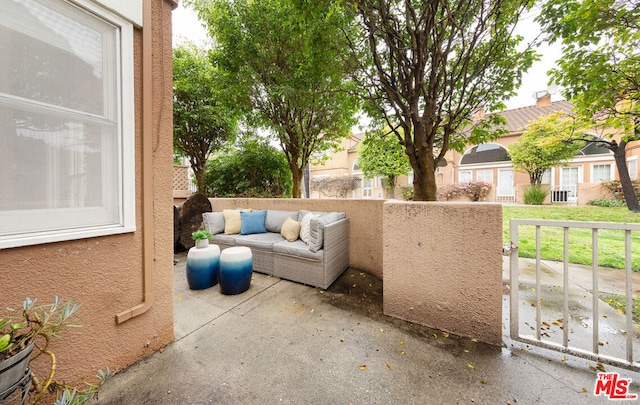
633 169
60 126
601 172
485 175
546 177
464 177
55 54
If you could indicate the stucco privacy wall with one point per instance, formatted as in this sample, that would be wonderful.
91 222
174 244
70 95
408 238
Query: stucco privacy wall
443 266
105 273
365 216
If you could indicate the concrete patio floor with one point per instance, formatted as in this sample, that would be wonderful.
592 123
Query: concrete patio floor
286 343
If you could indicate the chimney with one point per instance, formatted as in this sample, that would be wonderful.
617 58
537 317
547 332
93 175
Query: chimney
544 100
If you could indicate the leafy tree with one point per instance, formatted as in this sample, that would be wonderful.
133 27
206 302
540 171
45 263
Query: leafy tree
253 169
286 57
430 65
599 67
380 154
203 117
543 145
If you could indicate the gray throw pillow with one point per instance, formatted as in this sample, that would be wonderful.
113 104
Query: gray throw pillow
276 218
316 227
213 222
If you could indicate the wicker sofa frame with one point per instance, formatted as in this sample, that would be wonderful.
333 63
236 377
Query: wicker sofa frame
318 273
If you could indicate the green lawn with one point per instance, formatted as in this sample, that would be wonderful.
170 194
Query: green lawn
610 242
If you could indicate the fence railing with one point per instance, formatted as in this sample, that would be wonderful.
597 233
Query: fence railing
540 339
564 194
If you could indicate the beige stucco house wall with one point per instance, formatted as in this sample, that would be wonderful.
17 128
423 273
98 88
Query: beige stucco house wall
507 184
123 281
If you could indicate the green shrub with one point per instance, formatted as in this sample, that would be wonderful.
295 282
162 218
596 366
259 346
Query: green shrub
252 169
407 193
535 195
603 202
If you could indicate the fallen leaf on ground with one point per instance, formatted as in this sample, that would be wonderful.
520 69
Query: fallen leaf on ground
470 365
389 366
362 367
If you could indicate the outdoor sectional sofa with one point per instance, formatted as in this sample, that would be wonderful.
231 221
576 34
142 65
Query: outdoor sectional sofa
317 258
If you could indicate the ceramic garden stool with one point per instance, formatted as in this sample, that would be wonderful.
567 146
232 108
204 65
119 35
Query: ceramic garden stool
203 266
236 266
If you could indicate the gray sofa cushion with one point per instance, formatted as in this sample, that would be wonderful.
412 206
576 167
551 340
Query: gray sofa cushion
302 213
316 240
213 222
297 249
276 218
260 241
225 239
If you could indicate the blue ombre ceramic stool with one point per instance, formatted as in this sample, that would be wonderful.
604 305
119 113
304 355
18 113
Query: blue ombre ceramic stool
203 266
236 266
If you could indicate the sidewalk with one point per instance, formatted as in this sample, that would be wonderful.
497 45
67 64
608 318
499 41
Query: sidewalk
286 343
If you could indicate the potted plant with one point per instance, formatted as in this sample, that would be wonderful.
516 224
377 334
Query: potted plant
25 335
202 238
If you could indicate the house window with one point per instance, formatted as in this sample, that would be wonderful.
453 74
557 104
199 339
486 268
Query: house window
601 172
546 177
485 175
66 118
632 164
366 187
464 176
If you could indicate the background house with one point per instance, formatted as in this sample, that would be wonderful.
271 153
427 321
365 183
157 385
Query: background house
577 182
86 163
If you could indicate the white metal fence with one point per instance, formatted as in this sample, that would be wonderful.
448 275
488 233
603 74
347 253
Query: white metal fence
564 194
589 323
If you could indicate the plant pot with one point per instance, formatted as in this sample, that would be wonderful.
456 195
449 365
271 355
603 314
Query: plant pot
12 369
203 266
202 243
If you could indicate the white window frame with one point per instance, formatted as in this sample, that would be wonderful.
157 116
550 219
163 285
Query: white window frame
549 175
367 187
598 180
481 175
125 153
580 174
633 171
463 174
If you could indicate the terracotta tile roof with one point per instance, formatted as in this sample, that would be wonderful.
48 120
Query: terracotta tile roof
518 118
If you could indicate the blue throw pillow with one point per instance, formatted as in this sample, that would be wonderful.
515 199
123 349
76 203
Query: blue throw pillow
253 222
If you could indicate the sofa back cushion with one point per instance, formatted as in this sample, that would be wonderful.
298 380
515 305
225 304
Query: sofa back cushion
252 222
275 219
213 222
316 228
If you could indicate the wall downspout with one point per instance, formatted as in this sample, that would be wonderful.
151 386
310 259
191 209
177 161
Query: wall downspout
147 171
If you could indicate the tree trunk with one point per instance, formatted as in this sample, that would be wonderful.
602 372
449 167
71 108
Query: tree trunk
424 177
296 173
620 155
200 175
